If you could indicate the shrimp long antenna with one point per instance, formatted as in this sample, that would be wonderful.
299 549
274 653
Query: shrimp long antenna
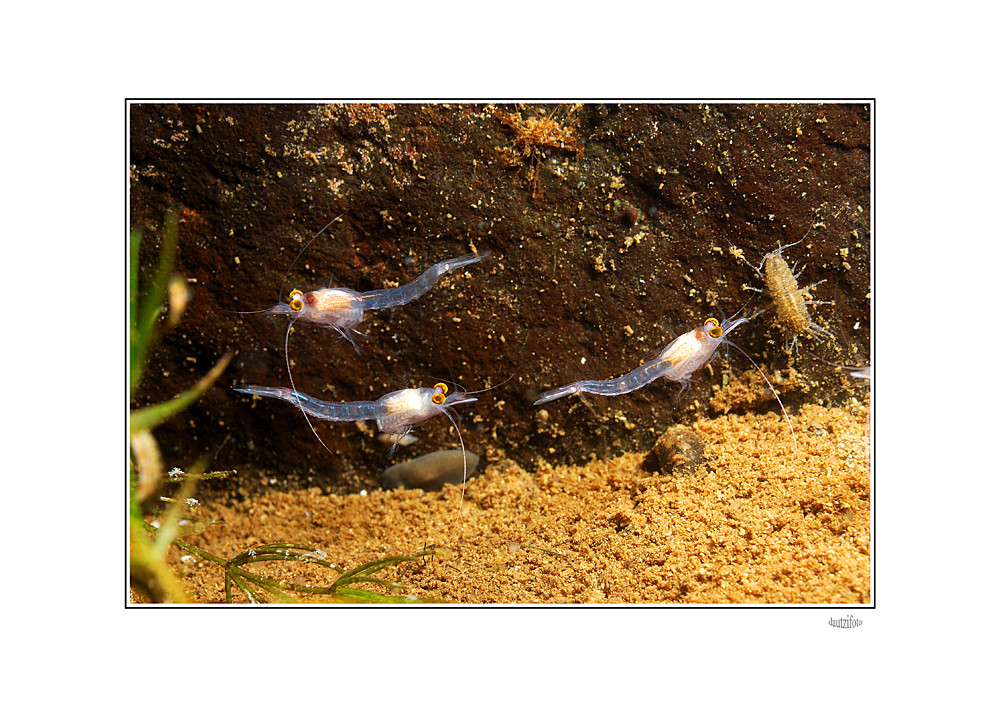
281 288
776 396
745 305
465 463
288 331
254 311
288 367
476 392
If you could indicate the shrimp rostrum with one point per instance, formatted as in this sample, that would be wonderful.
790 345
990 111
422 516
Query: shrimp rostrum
682 357
343 309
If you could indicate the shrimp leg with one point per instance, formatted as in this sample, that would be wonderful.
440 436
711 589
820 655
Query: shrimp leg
396 296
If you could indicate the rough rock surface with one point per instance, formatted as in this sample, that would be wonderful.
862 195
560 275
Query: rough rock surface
610 225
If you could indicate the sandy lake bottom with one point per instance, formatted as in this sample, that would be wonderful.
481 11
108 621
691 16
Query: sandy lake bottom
761 522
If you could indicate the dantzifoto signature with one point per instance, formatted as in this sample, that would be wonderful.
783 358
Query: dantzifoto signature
849 622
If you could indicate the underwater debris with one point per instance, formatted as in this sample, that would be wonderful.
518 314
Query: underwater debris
535 136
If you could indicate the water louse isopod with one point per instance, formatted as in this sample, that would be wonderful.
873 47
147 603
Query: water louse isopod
789 300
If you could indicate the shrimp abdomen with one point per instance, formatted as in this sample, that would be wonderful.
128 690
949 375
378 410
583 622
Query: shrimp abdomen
397 296
335 412
643 375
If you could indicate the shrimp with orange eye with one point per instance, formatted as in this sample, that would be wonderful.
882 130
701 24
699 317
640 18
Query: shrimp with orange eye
682 357
343 309
395 413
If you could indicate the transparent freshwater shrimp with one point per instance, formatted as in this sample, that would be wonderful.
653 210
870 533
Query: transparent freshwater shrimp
682 357
343 309
865 373
862 372
395 413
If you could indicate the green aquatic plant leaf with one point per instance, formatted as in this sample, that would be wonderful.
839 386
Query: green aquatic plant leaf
148 569
178 476
149 572
339 591
135 363
149 417
145 311
260 589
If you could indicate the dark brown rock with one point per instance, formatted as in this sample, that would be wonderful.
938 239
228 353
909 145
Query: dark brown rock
418 184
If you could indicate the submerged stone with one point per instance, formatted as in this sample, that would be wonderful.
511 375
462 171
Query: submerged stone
680 449
431 472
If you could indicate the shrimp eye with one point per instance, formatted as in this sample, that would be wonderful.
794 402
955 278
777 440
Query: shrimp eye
437 398
715 332
712 322
441 388
295 300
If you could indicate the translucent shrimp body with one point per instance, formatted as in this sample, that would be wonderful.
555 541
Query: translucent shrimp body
682 357
397 412
343 309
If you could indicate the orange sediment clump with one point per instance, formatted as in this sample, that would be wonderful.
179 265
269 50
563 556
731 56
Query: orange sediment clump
750 391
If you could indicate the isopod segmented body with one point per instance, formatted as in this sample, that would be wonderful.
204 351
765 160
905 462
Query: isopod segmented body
789 299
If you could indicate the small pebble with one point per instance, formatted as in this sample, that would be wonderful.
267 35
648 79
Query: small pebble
679 449
431 471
